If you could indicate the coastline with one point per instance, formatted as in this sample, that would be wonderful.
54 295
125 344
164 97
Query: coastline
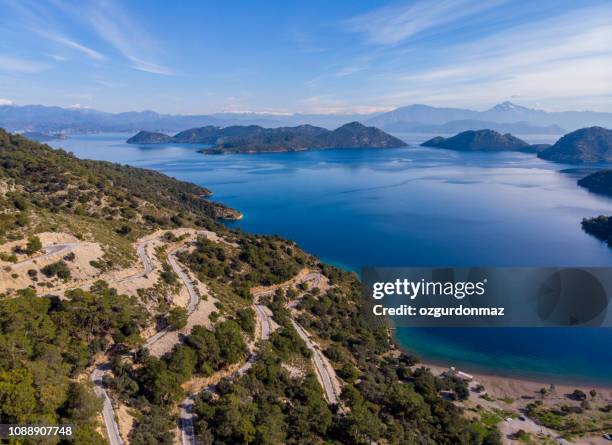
514 354
499 386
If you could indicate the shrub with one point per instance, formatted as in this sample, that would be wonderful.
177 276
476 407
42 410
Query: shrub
579 395
9 257
124 230
59 269
34 245
177 318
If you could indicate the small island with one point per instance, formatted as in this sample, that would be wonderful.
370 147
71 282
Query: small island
483 140
599 182
149 137
600 227
584 146
256 139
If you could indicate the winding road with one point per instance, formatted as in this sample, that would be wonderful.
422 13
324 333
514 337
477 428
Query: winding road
108 413
186 416
325 372
147 264
48 251
265 320
188 436
194 297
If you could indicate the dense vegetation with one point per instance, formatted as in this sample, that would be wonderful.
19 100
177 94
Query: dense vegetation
253 138
151 382
257 260
38 176
46 342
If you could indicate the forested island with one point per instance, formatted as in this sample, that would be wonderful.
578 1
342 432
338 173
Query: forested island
256 139
587 145
482 140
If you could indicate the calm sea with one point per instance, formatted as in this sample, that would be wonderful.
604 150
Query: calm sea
413 206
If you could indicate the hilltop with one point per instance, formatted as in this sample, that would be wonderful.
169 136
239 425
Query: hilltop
480 140
256 139
587 145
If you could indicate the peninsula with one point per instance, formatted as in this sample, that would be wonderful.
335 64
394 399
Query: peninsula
256 139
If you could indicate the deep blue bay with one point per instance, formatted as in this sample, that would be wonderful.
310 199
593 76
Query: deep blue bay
413 206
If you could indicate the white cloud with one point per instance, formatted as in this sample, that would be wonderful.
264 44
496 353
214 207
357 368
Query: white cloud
109 84
562 58
149 67
93 54
127 37
393 24
105 18
38 18
10 63
5 102
57 57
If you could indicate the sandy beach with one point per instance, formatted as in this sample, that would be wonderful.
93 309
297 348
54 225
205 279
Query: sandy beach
513 387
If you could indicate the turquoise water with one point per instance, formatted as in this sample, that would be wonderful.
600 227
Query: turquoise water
412 206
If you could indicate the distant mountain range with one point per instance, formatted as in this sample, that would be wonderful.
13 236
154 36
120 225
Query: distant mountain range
505 117
471 124
39 118
505 113
256 139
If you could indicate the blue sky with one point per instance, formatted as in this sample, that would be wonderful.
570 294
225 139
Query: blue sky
305 56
